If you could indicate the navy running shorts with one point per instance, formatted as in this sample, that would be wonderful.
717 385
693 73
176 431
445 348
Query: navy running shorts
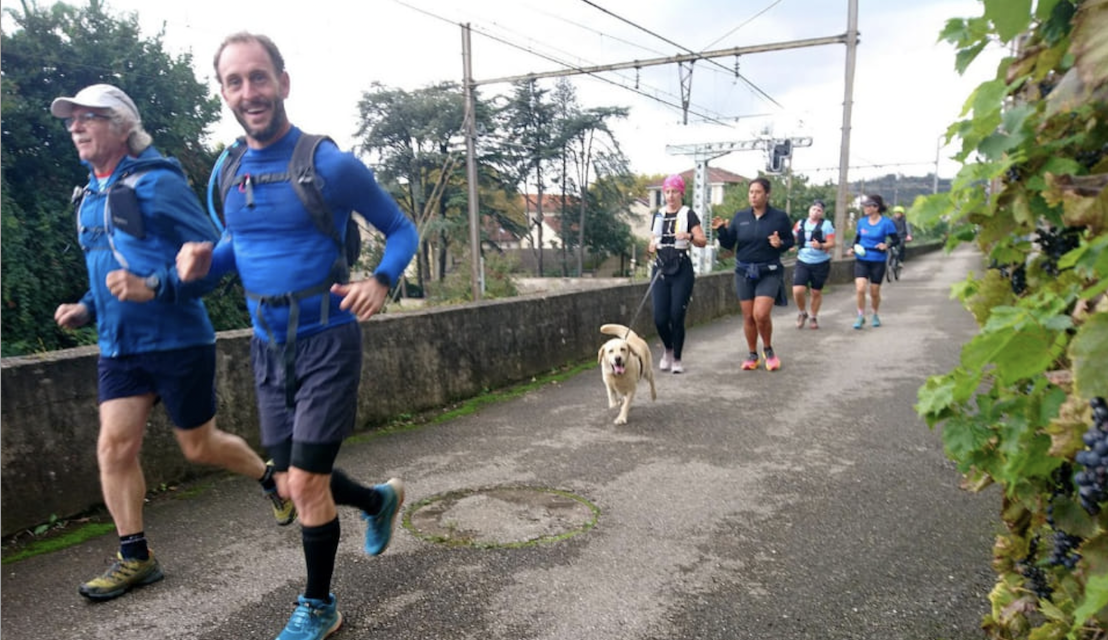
328 368
183 379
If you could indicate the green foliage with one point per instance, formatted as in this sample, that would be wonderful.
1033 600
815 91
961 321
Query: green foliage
457 287
798 192
54 51
1031 195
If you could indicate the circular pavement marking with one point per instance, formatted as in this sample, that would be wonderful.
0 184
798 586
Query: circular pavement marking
497 517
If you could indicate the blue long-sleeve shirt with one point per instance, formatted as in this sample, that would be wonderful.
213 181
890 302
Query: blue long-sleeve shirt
170 216
277 249
749 236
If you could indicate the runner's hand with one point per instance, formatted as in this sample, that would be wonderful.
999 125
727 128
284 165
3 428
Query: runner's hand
194 261
364 298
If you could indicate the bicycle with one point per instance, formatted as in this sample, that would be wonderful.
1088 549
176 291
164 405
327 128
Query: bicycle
895 264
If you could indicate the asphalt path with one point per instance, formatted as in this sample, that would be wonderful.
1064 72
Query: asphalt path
806 503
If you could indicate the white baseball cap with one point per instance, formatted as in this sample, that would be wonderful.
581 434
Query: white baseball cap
859 250
97 96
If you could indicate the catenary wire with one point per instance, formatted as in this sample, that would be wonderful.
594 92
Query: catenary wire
668 41
563 63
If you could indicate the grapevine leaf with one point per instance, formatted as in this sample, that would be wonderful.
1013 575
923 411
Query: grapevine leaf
1084 198
1095 290
1095 553
966 57
1015 118
929 210
1044 8
1051 402
1052 631
1070 517
954 31
1090 47
1025 452
987 99
1019 349
963 437
935 396
996 144
1056 25
1010 17
1096 598
1087 352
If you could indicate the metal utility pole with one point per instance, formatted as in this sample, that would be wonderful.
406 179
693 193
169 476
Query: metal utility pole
848 102
471 165
702 153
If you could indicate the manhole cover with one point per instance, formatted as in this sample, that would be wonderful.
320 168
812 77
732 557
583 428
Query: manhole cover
501 517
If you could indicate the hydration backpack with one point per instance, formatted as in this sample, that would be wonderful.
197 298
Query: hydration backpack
308 186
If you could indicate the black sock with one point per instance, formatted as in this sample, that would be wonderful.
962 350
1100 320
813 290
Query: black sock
352 494
133 547
321 544
269 485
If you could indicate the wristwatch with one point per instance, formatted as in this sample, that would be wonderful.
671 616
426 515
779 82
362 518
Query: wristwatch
383 278
152 282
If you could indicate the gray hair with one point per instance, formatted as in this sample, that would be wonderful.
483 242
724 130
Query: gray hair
138 140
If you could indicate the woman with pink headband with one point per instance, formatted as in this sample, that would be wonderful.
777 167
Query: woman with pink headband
675 227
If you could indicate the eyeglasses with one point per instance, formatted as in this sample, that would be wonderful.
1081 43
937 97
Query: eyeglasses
84 118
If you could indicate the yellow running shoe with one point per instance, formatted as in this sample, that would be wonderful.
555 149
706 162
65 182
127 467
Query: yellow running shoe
123 576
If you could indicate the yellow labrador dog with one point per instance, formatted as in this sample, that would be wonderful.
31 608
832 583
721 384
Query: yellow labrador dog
624 361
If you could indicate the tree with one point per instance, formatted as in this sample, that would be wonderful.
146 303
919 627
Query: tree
607 203
57 51
411 133
1032 196
529 143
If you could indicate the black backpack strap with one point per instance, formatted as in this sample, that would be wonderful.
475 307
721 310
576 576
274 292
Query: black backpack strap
309 186
227 172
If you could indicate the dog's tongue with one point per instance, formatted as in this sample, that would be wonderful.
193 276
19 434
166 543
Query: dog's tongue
618 368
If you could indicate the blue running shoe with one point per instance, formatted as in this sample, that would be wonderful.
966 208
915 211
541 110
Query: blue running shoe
860 322
313 619
876 321
379 527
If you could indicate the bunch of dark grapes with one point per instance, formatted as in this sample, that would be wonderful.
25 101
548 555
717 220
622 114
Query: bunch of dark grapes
1055 243
1092 482
1065 551
1035 576
1017 276
1088 159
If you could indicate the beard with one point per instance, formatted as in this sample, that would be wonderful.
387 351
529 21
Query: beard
277 121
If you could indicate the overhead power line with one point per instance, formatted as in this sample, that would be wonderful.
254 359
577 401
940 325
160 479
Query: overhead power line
679 46
741 25
567 65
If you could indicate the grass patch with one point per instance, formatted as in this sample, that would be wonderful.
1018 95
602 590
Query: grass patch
58 542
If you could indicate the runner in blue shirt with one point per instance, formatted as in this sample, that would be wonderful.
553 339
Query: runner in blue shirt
874 235
307 345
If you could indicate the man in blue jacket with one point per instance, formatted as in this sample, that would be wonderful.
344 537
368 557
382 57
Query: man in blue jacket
156 341
307 345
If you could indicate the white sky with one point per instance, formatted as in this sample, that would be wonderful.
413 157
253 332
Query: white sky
906 91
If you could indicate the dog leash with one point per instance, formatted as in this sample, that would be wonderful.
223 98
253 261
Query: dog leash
657 272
